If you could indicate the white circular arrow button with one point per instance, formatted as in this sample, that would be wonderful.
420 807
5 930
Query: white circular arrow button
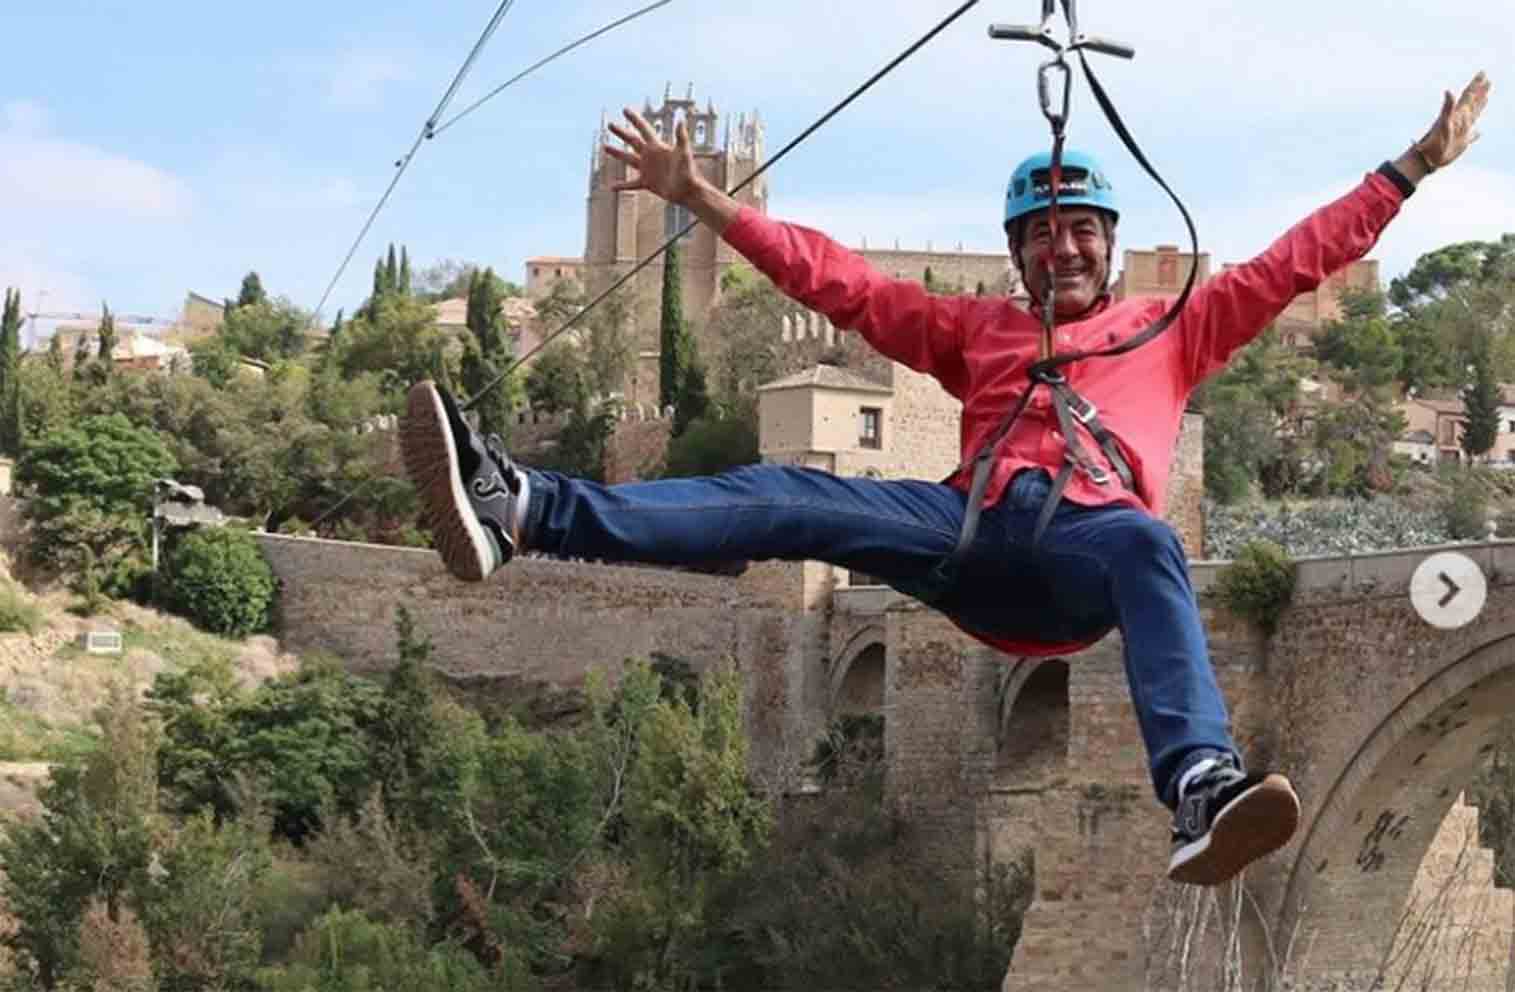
1448 590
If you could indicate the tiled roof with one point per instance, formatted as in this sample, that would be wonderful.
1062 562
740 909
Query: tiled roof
830 377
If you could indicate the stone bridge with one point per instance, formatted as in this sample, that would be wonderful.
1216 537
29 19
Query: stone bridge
1379 718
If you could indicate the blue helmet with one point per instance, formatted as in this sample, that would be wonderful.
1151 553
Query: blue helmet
1084 184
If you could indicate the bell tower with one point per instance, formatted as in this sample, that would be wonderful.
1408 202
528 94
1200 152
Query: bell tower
623 227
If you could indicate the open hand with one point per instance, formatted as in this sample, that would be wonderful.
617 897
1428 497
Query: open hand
664 169
1455 128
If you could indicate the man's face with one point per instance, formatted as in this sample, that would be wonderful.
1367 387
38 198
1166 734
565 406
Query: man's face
1079 258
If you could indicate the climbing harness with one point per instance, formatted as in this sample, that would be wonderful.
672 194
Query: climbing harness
1072 410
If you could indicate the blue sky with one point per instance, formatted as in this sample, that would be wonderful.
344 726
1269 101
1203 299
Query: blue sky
147 149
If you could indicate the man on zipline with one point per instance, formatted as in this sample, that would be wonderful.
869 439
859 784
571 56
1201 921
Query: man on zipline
1104 560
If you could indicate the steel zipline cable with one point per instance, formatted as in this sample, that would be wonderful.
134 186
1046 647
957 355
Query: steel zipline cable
542 62
427 129
431 128
889 67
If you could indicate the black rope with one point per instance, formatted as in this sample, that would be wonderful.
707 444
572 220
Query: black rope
824 118
1167 319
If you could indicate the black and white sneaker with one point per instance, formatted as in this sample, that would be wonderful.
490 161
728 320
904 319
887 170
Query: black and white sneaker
1226 820
473 496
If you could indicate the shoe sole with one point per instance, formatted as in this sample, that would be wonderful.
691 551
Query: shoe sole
431 461
1259 822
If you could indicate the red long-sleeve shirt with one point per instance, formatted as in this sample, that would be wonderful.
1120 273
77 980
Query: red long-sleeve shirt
979 348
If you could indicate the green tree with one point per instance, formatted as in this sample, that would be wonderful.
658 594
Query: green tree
55 354
219 579
81 363
402 285
1442 272
397 338
10 379
1255 421
1481 401
608 352
711 446
558 381
269 331
674 333
94 839
693 400
251 293
105 363
693 821
489 353
90 485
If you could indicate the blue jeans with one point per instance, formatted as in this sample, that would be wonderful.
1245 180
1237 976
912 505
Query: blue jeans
1097 568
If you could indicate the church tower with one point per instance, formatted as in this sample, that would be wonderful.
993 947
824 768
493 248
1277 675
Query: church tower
624 227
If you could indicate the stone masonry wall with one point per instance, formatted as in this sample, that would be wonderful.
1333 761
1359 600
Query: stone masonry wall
542 626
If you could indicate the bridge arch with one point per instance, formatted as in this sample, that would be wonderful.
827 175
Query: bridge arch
1031 740
1351 879
857 678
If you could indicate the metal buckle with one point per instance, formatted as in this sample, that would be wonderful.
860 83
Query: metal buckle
1096 474
1085 413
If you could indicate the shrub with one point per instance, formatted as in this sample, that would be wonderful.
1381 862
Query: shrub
1258 584
219 579
17 613
1466 509
709 447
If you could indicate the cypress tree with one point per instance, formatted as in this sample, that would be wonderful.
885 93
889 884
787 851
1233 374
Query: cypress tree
55 353
485 318
107 336
10 381
252 291
404 285
1481 402
673 351
81 355
391 271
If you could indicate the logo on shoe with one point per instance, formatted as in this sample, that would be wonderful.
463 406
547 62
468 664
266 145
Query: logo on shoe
492 487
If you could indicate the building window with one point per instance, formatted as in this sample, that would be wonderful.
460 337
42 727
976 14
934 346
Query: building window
558 273
1512 427
675 218
870 427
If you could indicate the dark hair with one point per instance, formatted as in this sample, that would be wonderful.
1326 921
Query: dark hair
1016 229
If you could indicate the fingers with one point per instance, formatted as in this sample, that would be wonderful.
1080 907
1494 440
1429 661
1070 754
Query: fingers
622 155
1476 95
643 128
632 140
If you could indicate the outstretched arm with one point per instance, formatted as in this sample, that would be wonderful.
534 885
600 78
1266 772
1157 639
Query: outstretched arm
898 317
1230 310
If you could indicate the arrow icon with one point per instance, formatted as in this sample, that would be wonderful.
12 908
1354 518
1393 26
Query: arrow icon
1452 589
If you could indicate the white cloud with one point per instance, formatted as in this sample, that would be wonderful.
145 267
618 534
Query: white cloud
23 116
42 173
1465 203
357 78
